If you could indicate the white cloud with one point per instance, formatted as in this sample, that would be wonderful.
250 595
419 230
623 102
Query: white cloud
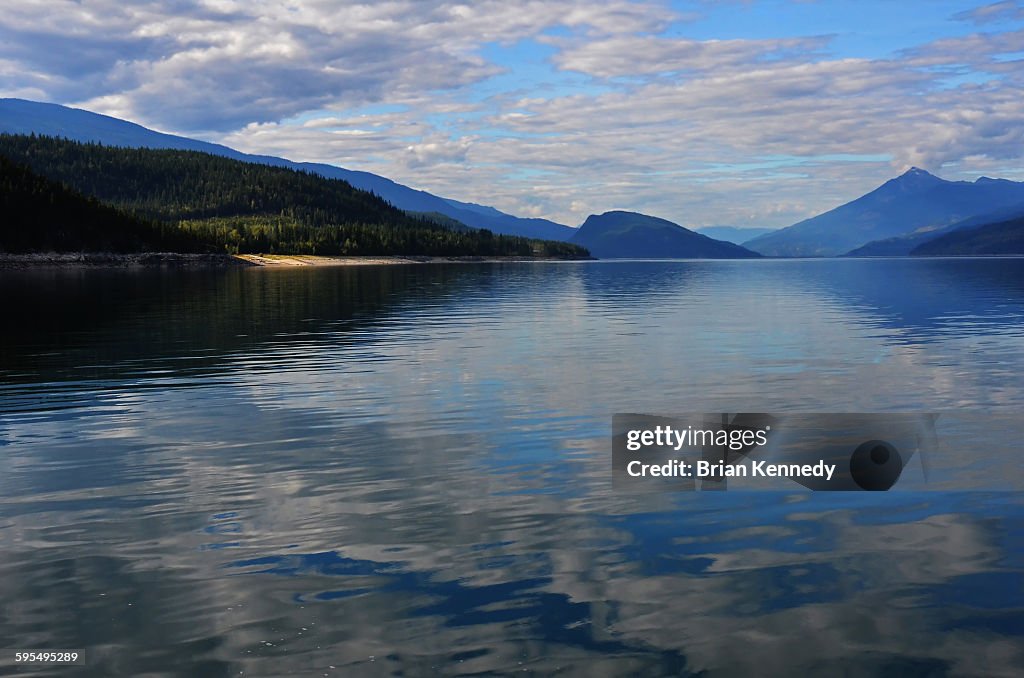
1007 10
192 65
436 150
631 55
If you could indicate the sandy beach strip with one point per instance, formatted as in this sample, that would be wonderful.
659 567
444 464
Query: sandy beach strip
178 260
316 260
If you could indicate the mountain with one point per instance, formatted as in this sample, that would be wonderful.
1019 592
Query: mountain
1003 237
912 202
19 116
172 185
239 206
638 236
733 234
500 222
44 215
902 246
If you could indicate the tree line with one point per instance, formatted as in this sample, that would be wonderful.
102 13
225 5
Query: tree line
134 199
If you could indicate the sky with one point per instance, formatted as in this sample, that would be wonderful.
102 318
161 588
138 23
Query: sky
753 113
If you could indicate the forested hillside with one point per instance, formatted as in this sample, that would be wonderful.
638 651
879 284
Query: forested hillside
37 214
237 206
1002 238
620 234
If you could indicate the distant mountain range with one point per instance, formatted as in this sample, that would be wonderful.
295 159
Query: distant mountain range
910 205
19 116
899 218
733 234
631 235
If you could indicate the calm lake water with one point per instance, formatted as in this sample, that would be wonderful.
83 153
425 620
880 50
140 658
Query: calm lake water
405 470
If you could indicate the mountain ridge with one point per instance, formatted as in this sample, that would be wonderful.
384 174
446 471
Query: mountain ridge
618 234
904 245
899 215
22 116
241 207
999 238
912 202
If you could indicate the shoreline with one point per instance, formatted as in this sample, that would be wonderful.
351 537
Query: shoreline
292 260
182 260
177 260
117 260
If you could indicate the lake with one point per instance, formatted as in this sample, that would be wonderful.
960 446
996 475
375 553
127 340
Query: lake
387 470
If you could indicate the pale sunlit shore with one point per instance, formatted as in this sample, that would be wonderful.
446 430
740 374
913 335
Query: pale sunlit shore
314 260
172 259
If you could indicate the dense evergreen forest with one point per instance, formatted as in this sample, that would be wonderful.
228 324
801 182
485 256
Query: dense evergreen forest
37 214
185 200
